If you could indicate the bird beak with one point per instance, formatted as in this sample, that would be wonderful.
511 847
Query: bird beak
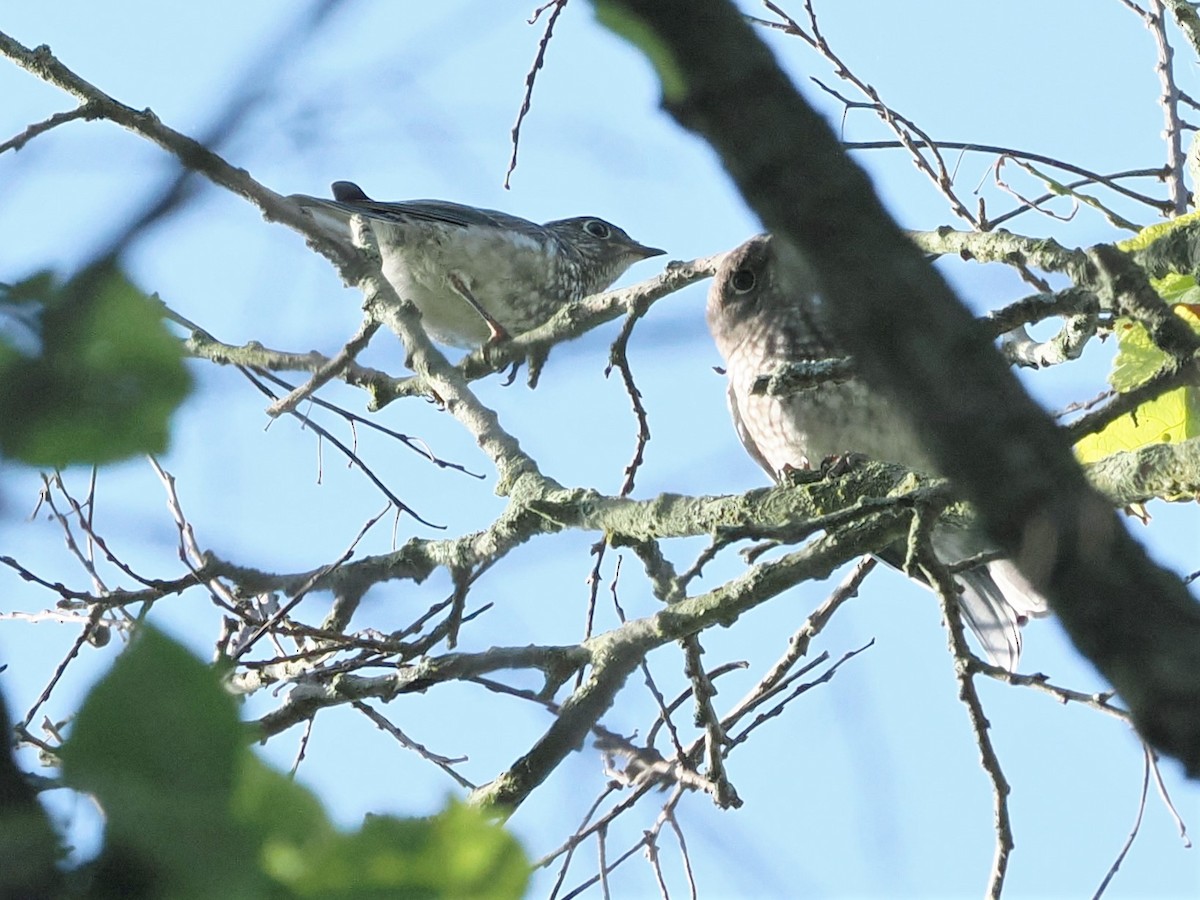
643 252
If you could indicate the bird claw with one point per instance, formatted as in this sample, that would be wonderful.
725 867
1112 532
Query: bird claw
841 463
498 338
513 369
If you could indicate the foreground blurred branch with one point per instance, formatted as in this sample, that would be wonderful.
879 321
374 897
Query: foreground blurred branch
1133 619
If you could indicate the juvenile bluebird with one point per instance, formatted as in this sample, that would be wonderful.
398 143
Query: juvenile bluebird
759 322
478 275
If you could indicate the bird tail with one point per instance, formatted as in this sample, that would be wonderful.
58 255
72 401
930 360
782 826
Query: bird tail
331 215
996 601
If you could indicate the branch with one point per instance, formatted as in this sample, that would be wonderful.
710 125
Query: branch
947 591
575 319
191 153
1087 176
83 111
1169 101
538 61
616 654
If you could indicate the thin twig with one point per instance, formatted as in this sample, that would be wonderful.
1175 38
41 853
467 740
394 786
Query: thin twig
300 594
445 763
1155 21
618 357
947 591
1166 797
1133 832
83 111
254 377
330 370
538 61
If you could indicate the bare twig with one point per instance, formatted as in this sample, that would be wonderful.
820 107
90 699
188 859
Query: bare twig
947 591
618 357
1155 20
445 763
538 61
1166 797
355 460
83 111
1133 832
330 370
1087 176
911 136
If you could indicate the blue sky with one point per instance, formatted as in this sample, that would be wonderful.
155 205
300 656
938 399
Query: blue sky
870 785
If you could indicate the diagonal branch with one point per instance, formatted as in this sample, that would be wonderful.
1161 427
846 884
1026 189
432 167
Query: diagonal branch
1133 619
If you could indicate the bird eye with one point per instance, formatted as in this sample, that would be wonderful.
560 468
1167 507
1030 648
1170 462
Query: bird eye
743 280
596 228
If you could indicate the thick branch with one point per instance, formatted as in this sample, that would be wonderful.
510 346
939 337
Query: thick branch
1133 619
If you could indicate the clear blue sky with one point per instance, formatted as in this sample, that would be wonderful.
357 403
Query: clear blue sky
870 785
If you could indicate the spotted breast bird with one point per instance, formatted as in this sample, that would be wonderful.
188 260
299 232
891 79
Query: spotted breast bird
477 275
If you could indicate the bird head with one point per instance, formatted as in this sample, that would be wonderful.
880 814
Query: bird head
604 251
754 296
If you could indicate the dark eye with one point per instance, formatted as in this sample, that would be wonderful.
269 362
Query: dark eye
596 228
743 280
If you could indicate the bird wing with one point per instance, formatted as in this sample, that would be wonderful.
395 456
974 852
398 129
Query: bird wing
443 212
744 435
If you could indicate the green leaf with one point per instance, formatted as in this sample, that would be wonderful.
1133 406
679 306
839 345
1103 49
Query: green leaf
1138 358
1170 417
1167 419
34 289
290 825
192 813
1152 233
1176 288
107 378
459 854
156 742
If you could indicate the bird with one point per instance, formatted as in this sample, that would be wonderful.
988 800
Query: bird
478 276
763 314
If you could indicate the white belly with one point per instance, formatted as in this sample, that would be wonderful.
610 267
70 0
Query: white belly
508 279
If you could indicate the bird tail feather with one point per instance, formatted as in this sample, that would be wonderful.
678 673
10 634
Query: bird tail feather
995 602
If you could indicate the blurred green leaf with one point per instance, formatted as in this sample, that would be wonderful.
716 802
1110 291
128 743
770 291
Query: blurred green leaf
1138 358
192 813
1176 288
34 289
156 741
1168 419
624 22
458 854
29 847
106 380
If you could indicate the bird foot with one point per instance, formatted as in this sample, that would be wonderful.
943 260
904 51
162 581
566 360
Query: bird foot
497 333
795 475
498 338
841 463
